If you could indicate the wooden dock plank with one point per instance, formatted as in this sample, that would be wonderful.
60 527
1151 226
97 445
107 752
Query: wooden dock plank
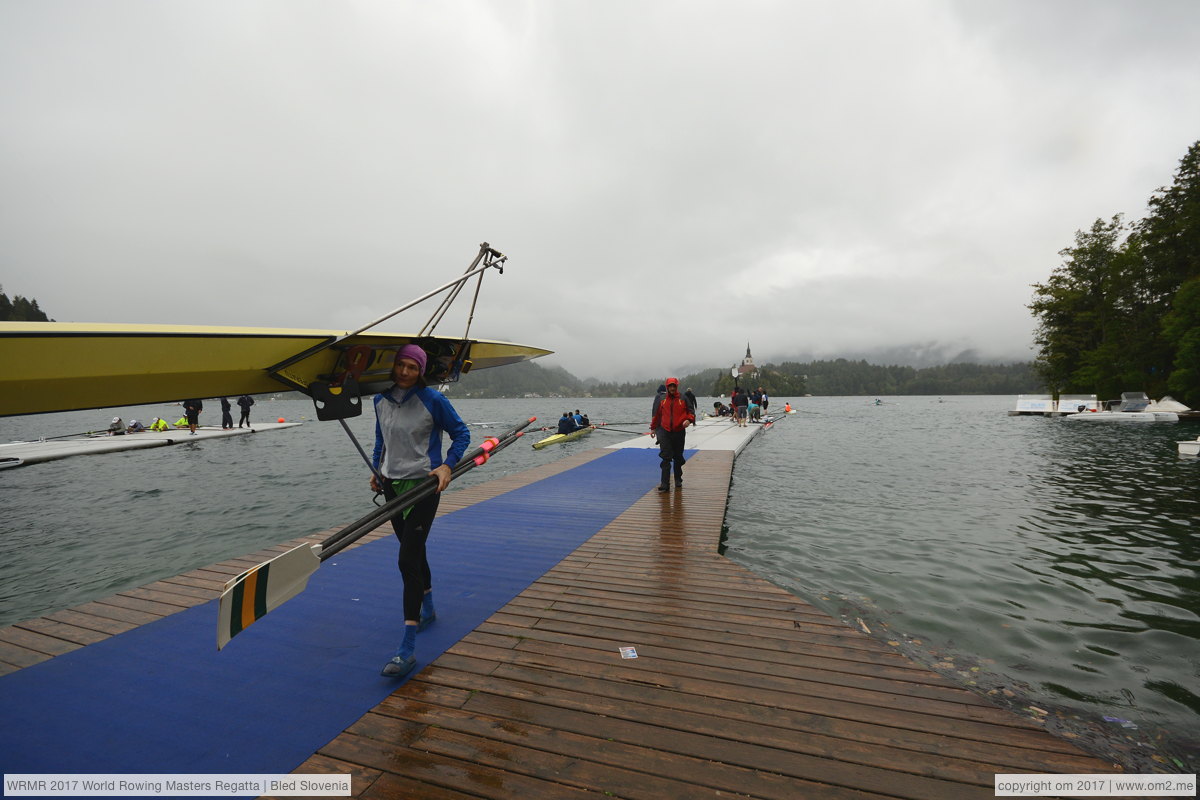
707 738
15 656
65 631
422 769
833 727
29 639
817 681
559 738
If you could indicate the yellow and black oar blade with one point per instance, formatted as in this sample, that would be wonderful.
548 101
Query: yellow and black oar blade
252 594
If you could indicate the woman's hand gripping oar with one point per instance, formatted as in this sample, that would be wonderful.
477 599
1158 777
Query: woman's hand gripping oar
249 596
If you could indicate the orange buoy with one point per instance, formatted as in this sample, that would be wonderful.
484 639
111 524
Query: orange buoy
281 419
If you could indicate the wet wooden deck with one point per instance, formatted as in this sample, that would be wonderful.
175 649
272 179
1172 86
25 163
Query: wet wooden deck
740 689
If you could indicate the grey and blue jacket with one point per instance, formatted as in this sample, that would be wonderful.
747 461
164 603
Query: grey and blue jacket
408 432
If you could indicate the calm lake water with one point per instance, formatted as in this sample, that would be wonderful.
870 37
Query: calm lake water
1052 561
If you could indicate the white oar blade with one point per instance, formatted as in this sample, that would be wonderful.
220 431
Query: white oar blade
252 594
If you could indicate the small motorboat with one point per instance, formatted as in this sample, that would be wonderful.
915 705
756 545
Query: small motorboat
1132 407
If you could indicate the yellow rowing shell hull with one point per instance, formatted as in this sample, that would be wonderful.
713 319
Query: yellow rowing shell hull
559 438
64 366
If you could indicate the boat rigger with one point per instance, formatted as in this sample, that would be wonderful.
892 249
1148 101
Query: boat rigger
64 366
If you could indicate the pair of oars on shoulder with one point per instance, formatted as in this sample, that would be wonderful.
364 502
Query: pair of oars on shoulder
251 595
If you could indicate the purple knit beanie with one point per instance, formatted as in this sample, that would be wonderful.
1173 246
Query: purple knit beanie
415 353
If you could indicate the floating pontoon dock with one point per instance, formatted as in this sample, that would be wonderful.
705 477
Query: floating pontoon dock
546 582
51 449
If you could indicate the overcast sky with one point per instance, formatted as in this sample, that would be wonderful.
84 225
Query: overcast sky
670 180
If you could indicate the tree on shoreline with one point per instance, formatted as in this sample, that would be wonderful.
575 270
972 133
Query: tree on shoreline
20 309
1122 312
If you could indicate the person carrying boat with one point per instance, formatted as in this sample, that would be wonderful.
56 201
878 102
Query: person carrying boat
671 419
410 419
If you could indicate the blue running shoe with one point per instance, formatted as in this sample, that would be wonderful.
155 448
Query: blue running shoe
398 667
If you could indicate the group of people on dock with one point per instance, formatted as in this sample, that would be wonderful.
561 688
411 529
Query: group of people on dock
190 419
118 427
744 405
193 407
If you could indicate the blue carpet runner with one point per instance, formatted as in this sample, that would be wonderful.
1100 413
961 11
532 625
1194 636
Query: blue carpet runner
162 699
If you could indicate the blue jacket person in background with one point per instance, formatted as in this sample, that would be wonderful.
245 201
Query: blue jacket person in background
410 419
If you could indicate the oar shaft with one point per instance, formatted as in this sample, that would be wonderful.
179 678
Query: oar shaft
377 517
363 453
355 531
259 590
69 435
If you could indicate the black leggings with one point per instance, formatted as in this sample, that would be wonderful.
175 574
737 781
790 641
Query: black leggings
412 533
670 450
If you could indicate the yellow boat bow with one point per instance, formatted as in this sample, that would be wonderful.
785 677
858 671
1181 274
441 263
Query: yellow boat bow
64 366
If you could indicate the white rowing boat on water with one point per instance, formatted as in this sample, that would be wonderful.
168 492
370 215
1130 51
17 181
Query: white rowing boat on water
16 454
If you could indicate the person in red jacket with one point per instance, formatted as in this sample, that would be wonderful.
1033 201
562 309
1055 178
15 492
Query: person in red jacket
672 415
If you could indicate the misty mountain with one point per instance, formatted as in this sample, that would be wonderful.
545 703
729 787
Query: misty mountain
839 376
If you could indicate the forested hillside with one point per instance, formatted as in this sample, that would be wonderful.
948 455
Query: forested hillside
1122 313
20 309
788 379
